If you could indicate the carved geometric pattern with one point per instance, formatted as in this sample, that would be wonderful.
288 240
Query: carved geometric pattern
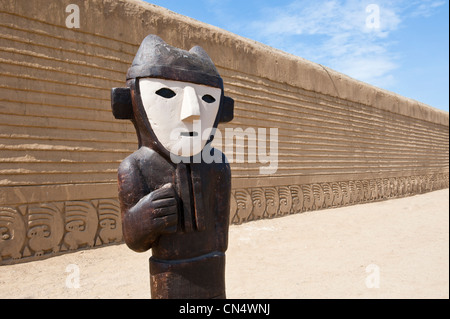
268 202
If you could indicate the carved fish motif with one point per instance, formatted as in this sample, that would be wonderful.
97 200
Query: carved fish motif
319 196
45 228
109 221
244 206
12 233
337 194
259 203
327 194
297 198
308 197
81 224
285 200
272 201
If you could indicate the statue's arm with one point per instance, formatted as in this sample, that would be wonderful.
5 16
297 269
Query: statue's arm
223 206
145 214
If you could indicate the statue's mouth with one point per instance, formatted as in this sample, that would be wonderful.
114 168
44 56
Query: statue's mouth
189 134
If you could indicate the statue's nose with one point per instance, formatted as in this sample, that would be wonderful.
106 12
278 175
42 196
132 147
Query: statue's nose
190 109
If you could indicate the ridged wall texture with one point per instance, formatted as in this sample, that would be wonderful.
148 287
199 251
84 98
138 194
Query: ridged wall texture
340 141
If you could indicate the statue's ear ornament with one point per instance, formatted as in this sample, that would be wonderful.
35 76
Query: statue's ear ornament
121 104
227 112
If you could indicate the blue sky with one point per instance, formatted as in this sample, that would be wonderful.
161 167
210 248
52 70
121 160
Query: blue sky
401 46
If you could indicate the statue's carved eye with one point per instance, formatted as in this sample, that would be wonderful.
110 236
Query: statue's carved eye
166 93
208 98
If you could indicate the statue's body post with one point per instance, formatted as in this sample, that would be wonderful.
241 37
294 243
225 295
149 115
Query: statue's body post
177 208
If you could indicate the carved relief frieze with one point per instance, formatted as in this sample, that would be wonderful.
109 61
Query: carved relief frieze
35 231
269 202
42 230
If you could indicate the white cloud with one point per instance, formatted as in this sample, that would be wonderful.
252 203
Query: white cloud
317 17
375 70
336 34
425 8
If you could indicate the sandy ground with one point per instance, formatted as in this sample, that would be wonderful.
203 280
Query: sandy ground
391 249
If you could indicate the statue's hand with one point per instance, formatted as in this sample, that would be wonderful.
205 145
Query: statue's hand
162 210
153 215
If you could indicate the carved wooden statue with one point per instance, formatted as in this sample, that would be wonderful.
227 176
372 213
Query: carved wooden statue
173 200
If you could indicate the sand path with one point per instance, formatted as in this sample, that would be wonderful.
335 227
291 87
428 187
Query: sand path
392 249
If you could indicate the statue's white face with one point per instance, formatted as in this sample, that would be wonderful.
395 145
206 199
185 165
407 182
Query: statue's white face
181 114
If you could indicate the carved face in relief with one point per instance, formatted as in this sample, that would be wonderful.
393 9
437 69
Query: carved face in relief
181 114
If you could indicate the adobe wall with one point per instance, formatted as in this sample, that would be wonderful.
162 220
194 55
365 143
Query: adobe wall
340 141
